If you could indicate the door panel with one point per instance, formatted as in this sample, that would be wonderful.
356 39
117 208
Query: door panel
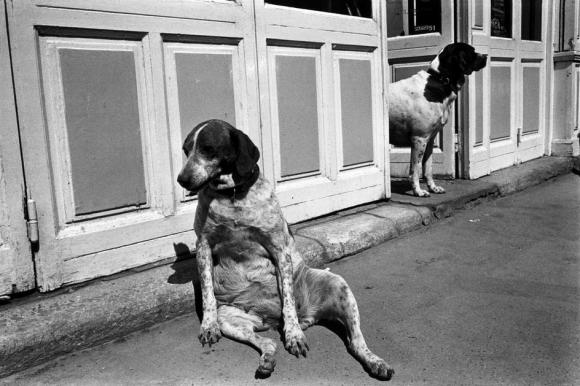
96 118
326 138
514 36
296 87
102 121
356 109
203 81
501 97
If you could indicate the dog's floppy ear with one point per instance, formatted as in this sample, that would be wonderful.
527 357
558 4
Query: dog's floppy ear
247 153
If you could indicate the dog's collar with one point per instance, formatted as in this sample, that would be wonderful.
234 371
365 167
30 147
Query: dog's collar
238 190
443 79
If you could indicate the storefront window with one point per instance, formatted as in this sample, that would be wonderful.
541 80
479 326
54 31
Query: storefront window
501 18
532 20
360 8
413 17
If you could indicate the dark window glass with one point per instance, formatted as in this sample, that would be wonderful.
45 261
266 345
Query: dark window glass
501 18
360 8
413 17
531 19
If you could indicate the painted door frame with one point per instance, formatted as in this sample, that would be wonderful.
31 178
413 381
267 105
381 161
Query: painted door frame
327 37
418 51
71 252
516 55
16 264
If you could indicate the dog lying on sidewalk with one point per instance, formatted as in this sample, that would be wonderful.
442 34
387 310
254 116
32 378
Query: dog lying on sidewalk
252 276
419 107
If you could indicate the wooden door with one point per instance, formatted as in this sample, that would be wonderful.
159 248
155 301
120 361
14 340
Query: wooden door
321 78
508 98
106 91
417 30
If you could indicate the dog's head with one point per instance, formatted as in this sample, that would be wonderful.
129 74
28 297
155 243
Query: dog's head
215 148
457 60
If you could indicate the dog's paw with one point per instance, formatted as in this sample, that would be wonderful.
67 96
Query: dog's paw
296 342
209 333
267 364
421 192
436 189
381 370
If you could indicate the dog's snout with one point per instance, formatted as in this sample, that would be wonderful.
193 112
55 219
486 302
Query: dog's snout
183 179
481 61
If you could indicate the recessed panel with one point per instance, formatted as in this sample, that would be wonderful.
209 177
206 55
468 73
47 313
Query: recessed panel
500 105
531 101
407 71
205 88
478 107
356 111
296 86
103 129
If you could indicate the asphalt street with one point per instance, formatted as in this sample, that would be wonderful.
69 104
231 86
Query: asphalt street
488 296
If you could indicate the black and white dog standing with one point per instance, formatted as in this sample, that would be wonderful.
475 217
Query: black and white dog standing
419 107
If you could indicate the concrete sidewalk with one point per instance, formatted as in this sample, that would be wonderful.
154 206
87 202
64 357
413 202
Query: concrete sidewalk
37 328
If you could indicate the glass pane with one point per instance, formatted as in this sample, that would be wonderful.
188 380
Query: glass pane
360 8
413 17
532 20
102 121
501 18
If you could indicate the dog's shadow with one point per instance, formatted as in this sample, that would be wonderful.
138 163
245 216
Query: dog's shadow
185 271
402 187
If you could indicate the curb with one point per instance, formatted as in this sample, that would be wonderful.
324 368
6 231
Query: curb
40 327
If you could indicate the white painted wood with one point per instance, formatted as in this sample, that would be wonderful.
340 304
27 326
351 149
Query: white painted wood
55 112
77 248
74 249
16 266
283 30
516 54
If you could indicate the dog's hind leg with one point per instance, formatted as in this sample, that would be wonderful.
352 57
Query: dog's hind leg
336 302
428 168
418 146
241 326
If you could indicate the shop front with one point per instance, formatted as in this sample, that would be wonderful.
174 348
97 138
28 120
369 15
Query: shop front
104 92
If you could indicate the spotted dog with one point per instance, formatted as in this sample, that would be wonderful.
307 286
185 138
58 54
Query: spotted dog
419 107
252 276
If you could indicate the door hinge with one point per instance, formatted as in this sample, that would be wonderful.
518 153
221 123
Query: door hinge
455 142
32 221
519 136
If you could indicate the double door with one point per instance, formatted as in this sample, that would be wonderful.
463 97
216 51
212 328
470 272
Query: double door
106 91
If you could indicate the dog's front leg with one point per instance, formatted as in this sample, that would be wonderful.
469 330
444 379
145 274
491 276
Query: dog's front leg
428 168
282 248
209 331
418 146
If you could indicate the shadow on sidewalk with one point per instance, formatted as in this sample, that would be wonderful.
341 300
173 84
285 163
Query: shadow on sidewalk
185 271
